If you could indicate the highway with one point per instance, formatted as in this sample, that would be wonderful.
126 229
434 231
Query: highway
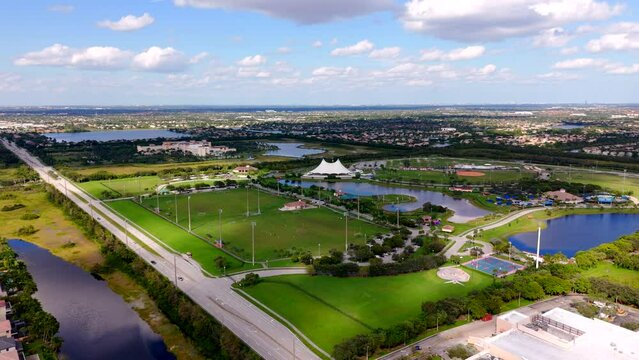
266 336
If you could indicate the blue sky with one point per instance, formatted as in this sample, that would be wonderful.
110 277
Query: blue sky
225 52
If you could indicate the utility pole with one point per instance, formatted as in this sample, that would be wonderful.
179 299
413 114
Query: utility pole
346 232
219 226
253 242
188 200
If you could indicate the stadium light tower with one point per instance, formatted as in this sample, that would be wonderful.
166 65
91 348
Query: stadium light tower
188 201
538 244
253 240
219 226
247 201
346 232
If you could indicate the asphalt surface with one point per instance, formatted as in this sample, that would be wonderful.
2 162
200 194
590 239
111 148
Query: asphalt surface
266 336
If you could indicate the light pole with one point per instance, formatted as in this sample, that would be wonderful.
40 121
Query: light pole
259 212
346 231
175 270
157 201
176 209
188 201
319 250
253 241
510 249
219 226
538 244
247 202
126 232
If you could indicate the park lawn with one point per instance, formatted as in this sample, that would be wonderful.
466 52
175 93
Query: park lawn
124 187
275 230
329 309
609 182
177 238
614 274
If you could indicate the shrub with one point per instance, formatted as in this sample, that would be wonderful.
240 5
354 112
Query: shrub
26 230
29 216
12 207
461 351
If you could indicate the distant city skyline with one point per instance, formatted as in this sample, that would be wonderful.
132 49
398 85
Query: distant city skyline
311 52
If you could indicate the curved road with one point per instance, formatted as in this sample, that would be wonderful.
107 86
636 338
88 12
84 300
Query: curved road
266 336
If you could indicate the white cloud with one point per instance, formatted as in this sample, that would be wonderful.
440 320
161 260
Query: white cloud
361 47
614 42
160 60
301 11
467 53
385 53
558 76
473 20
9 82
327 71
252 60
569 50
617 69
553 37
128 23
61 8
284 50
317 44
580 63
198 58
95 57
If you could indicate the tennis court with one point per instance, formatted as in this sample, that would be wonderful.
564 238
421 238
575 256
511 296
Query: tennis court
493 266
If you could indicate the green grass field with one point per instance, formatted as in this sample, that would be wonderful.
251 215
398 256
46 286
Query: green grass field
614 274
176 238
439 177
275 230
610 182
329 309
125 187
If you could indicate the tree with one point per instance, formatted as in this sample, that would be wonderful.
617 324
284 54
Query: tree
220 262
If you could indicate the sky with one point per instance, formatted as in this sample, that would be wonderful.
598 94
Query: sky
318 52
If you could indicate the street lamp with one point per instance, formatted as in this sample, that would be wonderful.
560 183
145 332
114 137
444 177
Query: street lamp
319 250
538 244
253 240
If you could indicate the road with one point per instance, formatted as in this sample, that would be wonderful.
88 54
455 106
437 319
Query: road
487 248
266 336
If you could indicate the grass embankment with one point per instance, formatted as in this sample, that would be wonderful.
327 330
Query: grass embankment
59 235
275 231
329 309
530 222
177 238
613 274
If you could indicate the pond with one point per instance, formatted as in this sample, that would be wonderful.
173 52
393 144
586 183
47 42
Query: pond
464 209
294 150
114 135
573 233
95 323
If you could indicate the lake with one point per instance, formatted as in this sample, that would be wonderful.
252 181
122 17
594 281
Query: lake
464 209
294 150
115 135
95 323
573 233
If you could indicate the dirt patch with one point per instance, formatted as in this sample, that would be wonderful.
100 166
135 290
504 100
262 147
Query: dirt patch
470 173
453 274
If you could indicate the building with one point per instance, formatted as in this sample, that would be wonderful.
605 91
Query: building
4 309
557 334
296 205
8 349
326 169
244 169
564 197
197 148
5 328
448 228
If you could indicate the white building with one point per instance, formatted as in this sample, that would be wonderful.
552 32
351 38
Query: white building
326 169
197 148
557 334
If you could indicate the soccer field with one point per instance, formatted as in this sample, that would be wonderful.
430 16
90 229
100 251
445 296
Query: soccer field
329 310
124 187
275 230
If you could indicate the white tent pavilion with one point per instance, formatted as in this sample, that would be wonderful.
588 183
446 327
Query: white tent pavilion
326 169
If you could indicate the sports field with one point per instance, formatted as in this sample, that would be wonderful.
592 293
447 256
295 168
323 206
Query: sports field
329 309
275 230
439 177
177 238
124 187
610 182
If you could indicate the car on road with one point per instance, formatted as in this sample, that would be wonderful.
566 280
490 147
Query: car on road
180 278
153 262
